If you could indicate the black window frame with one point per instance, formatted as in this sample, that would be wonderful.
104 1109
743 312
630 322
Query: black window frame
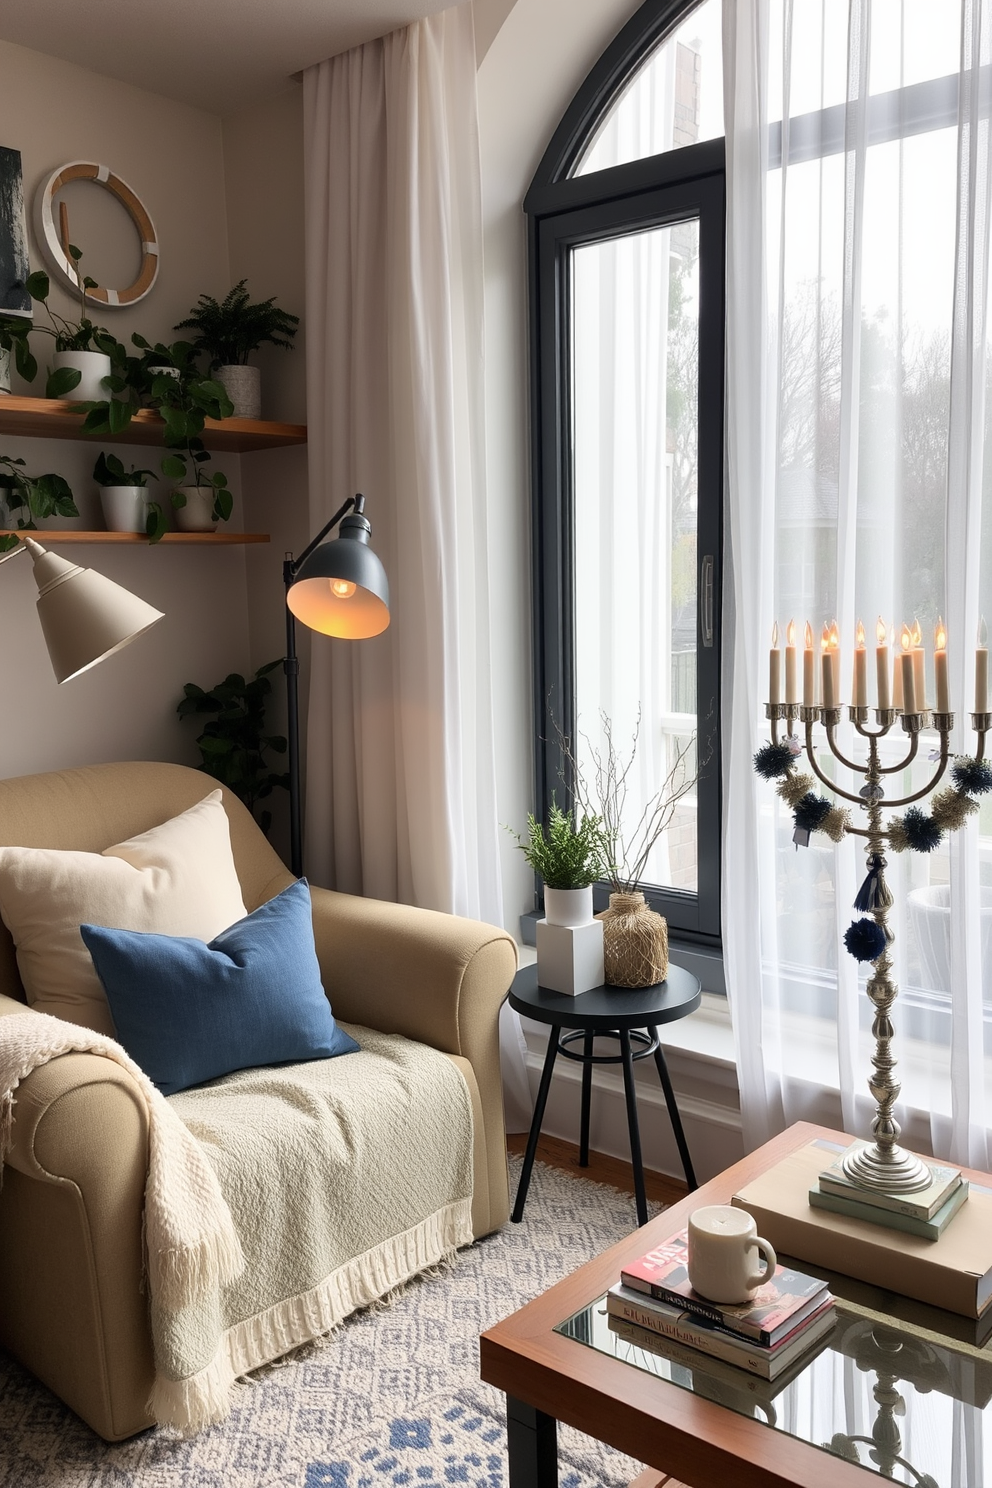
563 211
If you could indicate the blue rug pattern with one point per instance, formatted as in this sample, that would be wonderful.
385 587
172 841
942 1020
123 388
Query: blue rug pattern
393 1399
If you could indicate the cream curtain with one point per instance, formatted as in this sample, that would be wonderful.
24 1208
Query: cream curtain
401 777
858 166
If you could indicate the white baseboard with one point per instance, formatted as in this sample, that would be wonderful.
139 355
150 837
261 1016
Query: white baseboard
708 1106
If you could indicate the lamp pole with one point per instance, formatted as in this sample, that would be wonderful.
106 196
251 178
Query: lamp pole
291 666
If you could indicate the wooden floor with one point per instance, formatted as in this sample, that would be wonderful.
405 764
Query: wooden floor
558 1153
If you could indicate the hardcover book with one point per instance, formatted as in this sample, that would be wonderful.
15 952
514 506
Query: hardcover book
852 1203
776 1307
921 1205
711 1378
701 1333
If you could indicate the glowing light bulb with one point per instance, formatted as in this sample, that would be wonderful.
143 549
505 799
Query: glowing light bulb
342 588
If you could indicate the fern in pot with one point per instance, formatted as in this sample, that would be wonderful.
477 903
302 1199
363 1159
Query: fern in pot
229 330
569 857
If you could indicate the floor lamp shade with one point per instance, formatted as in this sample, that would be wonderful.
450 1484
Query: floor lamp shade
342 589
84 616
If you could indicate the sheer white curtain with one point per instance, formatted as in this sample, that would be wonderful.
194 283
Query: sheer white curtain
401 778
857 471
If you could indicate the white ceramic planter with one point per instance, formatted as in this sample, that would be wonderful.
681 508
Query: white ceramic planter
568 906
197 514
244 388
124 508
93 367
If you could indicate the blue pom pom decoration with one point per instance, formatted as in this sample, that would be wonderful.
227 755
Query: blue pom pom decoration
973 776
922 832
772 760
811 812
865 940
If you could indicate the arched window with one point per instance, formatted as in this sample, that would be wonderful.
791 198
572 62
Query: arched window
626 220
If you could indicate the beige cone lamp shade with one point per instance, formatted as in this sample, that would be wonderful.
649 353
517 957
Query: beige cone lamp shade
84 616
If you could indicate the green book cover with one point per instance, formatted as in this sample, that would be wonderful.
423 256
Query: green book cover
891 1219
920 1205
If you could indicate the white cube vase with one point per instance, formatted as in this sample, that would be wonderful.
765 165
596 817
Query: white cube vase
570 957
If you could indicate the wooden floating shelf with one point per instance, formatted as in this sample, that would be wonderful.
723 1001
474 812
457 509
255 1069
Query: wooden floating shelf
49 537
50 418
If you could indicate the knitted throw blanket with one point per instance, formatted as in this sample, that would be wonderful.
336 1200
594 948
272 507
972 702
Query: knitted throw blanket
190 1240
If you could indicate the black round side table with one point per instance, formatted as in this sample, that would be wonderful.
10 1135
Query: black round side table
633 1017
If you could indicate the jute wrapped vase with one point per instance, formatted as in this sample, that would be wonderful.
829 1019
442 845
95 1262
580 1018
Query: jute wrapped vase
635 942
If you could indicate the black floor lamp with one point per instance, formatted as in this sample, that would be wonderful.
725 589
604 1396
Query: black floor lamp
338 588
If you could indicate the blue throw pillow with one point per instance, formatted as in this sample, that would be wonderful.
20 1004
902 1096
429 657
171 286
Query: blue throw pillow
187 1012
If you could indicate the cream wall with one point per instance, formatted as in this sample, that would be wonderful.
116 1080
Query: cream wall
172 155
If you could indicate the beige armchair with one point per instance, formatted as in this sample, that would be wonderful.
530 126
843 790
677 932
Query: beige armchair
71 1302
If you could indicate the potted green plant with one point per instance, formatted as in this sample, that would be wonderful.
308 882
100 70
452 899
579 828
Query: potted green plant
569 858
229 330
234 745
83 350
122 494
27 497
14 333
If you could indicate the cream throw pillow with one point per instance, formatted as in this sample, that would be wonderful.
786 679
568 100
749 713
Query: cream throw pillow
177 879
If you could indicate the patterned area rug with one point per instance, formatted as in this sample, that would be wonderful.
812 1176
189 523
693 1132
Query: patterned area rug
392 1399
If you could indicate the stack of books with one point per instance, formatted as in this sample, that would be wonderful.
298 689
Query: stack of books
925 1213
787 1317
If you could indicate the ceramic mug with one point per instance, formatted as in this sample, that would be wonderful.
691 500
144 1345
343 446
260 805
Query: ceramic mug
722 1259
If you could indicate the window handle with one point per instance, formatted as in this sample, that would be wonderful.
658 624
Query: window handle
706 592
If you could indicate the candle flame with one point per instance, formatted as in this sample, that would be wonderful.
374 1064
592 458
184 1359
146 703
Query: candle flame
940 635
983 632
790 633
917 634
906 639
833 636
825 637
775 635
881 633
859 637
808 637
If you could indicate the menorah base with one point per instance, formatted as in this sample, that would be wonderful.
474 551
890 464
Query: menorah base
890 1170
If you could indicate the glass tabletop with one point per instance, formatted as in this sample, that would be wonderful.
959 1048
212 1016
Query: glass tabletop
899 1388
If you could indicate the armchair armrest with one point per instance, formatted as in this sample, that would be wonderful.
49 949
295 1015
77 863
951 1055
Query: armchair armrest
433 977
70 1237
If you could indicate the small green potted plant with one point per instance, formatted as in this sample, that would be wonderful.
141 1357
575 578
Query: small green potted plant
83 351
569 858
122 494
229 330
27 497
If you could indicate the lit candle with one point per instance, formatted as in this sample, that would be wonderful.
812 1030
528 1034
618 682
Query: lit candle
774 666
790 663
827 670
833 642
982 669
882 663
919 670
897 699
940 667
860 668
809 668
909 698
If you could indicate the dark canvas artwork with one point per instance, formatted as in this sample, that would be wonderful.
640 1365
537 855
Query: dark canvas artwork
14 298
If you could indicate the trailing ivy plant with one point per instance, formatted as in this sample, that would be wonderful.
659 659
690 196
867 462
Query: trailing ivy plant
234 746
232 328
26 497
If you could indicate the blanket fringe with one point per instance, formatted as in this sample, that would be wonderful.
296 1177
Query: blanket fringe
204 1399
180 1274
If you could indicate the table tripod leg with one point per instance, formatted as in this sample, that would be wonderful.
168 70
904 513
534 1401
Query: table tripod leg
587 1049
535 1126
635 1134
676 1119
531 1446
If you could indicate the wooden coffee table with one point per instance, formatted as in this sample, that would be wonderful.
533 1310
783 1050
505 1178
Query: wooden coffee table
549 1378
